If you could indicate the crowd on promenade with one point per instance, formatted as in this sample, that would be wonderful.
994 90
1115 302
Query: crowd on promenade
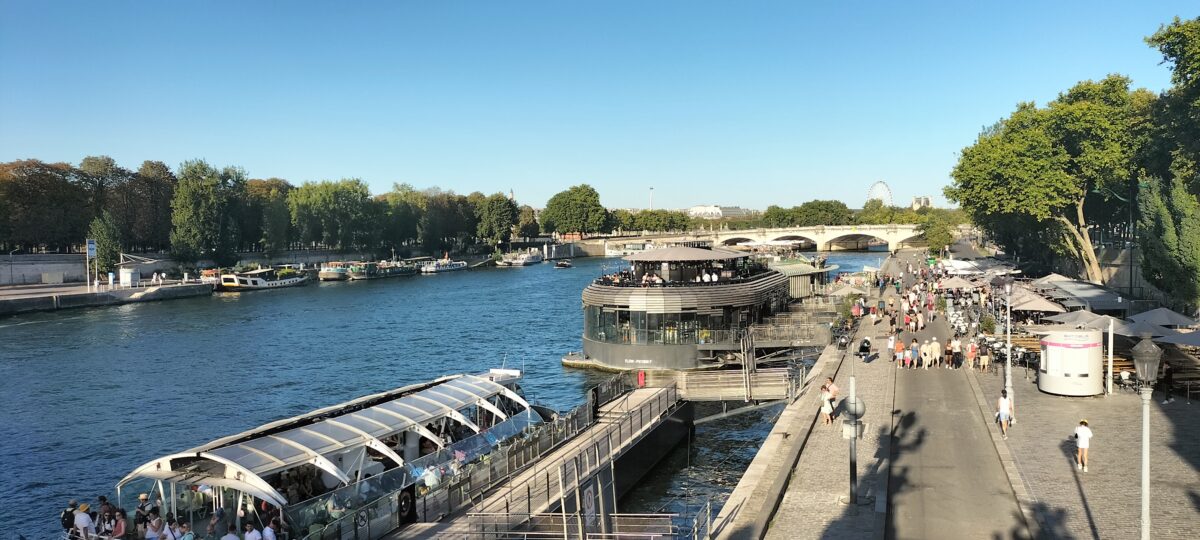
106 521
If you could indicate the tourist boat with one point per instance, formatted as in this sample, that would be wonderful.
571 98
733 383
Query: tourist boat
442 265
261 280
523 258
372 463
335 271
384 269
565 263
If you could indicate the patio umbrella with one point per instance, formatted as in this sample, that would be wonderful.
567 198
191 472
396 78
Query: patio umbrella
1047 280
847 291
1082 316
1036 303
956 283
1101 323
1138 328
1164 317
1182 338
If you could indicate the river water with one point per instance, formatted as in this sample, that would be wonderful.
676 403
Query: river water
91 394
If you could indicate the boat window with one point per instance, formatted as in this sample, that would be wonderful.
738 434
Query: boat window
228 280
243 281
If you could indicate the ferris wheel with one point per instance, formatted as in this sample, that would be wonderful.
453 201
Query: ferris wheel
880 190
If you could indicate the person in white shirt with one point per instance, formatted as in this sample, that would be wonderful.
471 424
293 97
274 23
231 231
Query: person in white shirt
268 533
231 533
1083 440
85 528
1004 412
252 533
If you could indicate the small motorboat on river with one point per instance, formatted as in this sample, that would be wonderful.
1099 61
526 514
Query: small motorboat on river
373 463
565 263
261 280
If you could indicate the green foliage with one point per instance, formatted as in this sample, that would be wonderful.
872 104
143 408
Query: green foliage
335 214
1042 163
447 222
45 205
496 215
527 225
809 214
938 228
107 234
649 220
1169 233
988 324
575 210
204 212
285 273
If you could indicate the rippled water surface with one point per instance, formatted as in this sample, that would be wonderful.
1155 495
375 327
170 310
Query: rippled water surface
91 394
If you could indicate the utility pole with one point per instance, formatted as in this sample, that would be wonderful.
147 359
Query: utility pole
652 197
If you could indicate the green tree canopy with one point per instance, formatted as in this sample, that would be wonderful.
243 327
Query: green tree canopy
107 234
527 224
496 215
575 210
1042 163
204 212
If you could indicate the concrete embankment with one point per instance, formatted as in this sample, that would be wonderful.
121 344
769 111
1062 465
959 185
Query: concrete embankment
66 300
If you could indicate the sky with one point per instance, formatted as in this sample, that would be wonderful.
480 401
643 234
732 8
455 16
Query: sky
732 103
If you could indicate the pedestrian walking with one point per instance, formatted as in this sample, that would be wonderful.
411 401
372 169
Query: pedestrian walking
826 406
985 359
972 349
1004 413
901 353
914 354
1083 440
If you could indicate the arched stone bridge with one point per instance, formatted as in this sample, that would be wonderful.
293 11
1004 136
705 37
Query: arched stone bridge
824 237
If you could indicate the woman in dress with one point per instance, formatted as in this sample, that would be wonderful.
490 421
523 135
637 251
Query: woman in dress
826 405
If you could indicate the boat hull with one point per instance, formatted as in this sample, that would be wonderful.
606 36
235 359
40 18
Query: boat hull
262 285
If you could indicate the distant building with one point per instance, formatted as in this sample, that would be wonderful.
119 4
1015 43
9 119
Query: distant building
717 212
921 202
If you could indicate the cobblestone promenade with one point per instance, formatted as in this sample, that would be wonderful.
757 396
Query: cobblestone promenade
1104 502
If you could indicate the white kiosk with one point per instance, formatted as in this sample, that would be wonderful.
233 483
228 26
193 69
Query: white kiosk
130 277
1072 363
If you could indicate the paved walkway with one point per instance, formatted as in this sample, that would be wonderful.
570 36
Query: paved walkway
1106 501
810 507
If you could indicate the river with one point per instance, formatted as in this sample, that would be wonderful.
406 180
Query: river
91 394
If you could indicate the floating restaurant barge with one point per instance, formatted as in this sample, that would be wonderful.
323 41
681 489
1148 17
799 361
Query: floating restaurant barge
676 308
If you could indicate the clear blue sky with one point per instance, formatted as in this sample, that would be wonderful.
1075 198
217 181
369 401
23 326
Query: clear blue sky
735 103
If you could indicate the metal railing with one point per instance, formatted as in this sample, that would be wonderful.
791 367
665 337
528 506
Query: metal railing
573 525
554 481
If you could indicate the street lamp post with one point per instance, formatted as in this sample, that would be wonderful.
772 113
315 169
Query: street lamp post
1008 284
1146 356
652 198
10 267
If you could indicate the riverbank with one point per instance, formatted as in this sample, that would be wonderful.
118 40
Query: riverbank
29 299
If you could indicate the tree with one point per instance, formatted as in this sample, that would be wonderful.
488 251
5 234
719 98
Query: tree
204 213
150 192
1043 163
818 212
46 205
575 210
777 217
336 214
496 216
938 230
527 225
103 180
107 234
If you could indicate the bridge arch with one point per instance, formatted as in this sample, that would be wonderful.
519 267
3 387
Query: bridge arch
736 240
857 241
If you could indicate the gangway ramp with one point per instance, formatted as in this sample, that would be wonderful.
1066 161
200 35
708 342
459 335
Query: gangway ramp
764 384
553 480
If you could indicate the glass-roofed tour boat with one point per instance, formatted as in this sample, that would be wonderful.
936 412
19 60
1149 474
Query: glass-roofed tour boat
363 465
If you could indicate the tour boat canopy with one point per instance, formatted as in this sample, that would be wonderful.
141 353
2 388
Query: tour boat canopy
242 461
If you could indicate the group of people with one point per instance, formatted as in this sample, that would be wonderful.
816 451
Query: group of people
107 522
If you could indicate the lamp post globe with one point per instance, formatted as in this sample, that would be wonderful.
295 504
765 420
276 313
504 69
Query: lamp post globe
1146 356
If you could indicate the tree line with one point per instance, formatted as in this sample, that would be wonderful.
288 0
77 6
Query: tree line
202 212
1103 159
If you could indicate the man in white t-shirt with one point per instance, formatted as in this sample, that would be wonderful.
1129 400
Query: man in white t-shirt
268 532
251 532
1083 440
85 528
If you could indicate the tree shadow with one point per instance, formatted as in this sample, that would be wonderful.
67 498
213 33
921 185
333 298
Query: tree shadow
1068 449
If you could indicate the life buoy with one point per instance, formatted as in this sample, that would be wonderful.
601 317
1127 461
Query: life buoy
360 519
